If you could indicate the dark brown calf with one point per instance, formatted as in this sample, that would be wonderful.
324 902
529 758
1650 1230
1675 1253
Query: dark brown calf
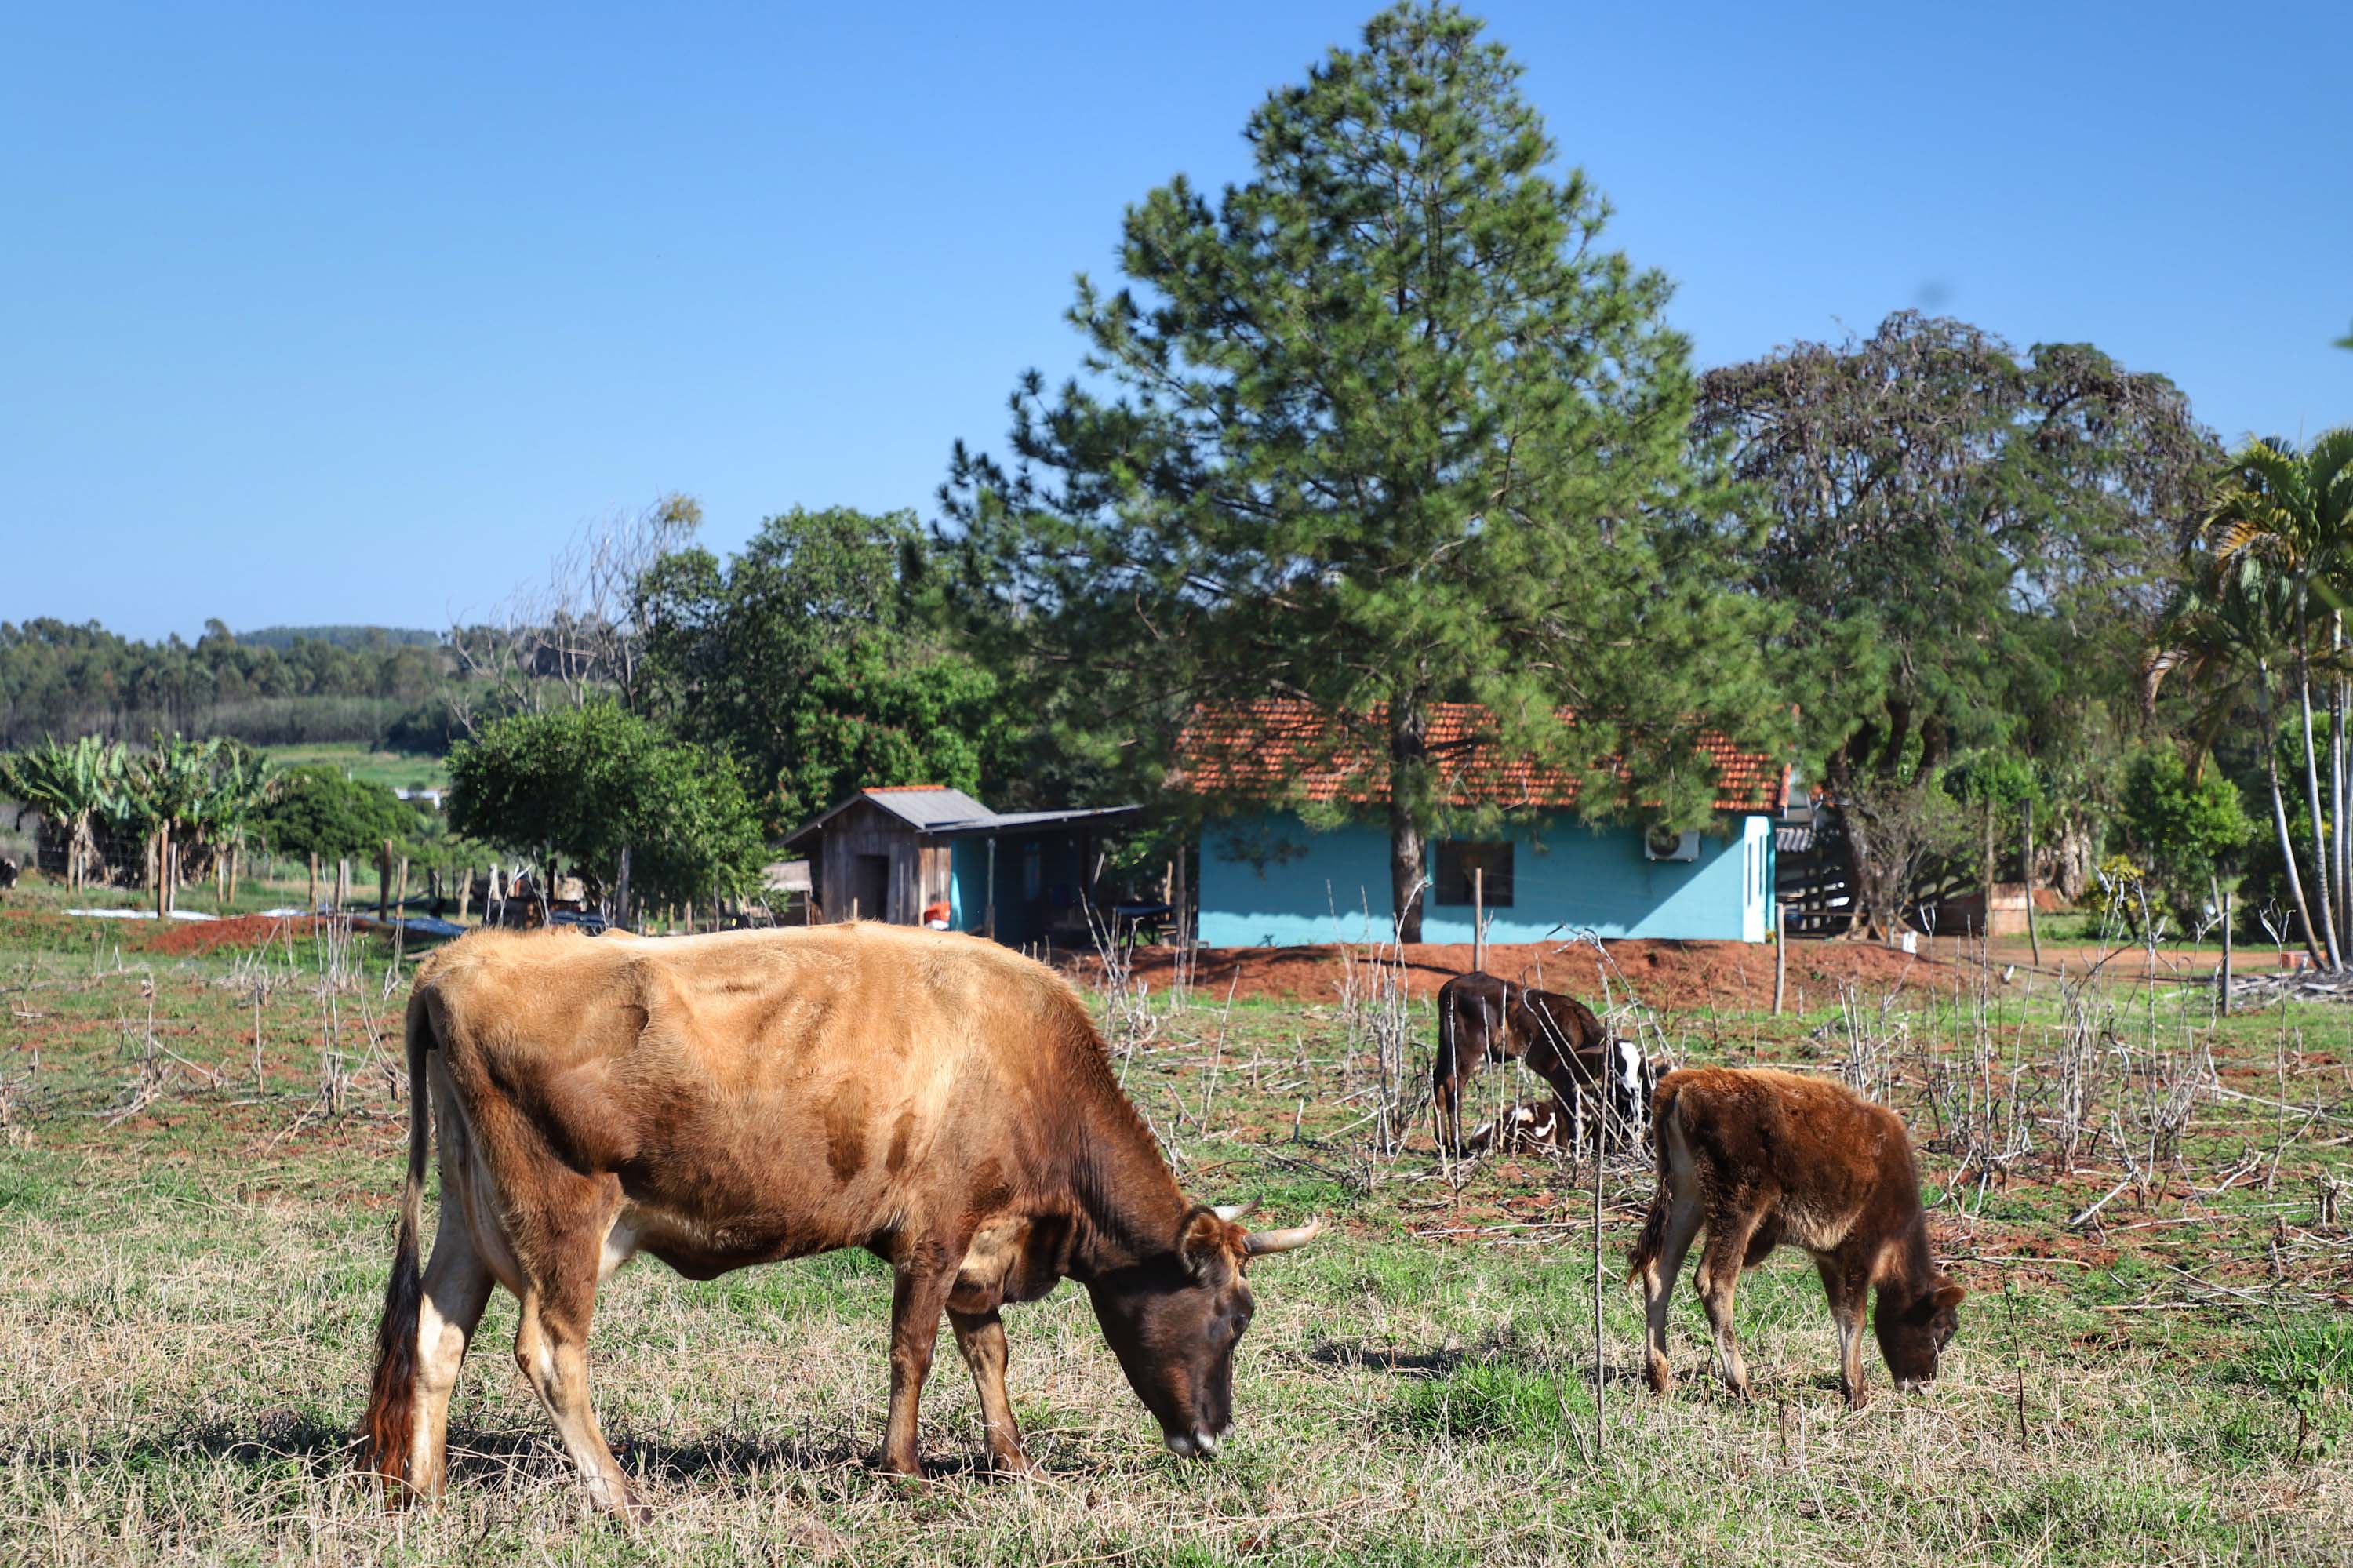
1759 1158
1483 1019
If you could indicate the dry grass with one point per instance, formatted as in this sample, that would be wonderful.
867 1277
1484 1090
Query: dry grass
187 1298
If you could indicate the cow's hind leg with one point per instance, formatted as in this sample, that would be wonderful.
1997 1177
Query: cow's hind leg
456 1288
981 1337
1728 1238
919 1295
1677 1227
559 1296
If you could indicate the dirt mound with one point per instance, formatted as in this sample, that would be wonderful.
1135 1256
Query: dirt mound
1672 976
193 939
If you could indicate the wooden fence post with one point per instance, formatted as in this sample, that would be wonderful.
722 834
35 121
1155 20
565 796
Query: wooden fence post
311 899
383 877
162 871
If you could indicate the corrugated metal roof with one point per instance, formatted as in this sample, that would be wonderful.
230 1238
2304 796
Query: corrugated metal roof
1263 748
929 809
926 806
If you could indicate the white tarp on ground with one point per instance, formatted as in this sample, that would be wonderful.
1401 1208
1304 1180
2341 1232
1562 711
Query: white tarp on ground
138 915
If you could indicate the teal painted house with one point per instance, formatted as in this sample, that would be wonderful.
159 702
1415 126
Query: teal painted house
1266 878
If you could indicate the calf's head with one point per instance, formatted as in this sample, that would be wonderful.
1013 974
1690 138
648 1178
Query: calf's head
1913 1333
1174 1319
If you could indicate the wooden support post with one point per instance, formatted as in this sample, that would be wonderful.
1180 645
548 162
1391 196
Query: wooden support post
162 871
342 883
2224 1002
2026 873
400 914
311 899
1479 917
383 877
988 915
465 890
1781 956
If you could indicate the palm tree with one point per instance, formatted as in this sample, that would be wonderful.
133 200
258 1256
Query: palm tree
2288 516
2227 635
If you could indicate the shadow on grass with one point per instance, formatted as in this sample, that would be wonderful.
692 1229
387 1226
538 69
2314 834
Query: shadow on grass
281 1441
1414 1362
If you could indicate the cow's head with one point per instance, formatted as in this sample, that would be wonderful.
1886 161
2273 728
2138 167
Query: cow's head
1633 1082
1913 1336
1174 1318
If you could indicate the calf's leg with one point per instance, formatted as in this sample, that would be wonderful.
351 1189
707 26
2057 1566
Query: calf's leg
1661 1269
1848 1290
1719 1281
981 1337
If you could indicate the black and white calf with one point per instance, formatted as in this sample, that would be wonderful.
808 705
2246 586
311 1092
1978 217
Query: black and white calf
1482 1019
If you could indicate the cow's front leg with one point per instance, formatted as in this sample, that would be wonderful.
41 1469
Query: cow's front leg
918 1295
981 1337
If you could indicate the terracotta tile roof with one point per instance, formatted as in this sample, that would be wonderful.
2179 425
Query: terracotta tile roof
1276 747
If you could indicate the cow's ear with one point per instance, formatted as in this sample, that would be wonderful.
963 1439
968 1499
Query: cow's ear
1201 1239
1948 1296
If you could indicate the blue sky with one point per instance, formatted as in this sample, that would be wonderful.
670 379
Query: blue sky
319 313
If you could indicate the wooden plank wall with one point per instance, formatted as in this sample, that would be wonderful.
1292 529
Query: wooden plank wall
919 866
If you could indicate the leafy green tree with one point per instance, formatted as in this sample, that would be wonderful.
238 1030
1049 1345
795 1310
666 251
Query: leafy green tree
1384 427
812 658
1971 548
591 783
2179 827
319 812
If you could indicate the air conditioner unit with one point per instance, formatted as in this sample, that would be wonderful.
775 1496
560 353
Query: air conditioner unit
1661 845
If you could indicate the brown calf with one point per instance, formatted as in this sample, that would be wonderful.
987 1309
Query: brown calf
725 1100
1759 1158
1482 1019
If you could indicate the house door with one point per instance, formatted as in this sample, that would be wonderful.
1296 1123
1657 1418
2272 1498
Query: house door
869 884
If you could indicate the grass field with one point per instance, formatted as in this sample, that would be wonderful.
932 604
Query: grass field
201 1163
393 769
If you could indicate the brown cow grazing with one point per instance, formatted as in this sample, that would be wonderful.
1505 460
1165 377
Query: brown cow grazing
1482 1019
1760 1157
731 1099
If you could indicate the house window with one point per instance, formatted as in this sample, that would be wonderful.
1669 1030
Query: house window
1456 862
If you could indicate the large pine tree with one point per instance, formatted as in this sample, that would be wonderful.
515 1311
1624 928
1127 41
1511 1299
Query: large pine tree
1383 427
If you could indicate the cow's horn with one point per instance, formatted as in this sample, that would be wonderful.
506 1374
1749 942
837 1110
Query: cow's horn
1230 1212
1258 1243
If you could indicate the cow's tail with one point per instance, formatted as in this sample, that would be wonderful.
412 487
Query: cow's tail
1653 1239
389 1426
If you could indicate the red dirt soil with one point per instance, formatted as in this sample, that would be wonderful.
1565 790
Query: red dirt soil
1673 976
188 939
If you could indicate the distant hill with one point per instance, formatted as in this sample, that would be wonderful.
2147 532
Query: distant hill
284 637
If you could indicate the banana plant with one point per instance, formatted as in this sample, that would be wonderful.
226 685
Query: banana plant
71 788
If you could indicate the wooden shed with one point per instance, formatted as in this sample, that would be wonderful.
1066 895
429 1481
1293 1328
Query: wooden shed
892 852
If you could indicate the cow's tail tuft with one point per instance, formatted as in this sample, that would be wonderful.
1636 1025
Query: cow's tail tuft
1653 1239
389 1426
